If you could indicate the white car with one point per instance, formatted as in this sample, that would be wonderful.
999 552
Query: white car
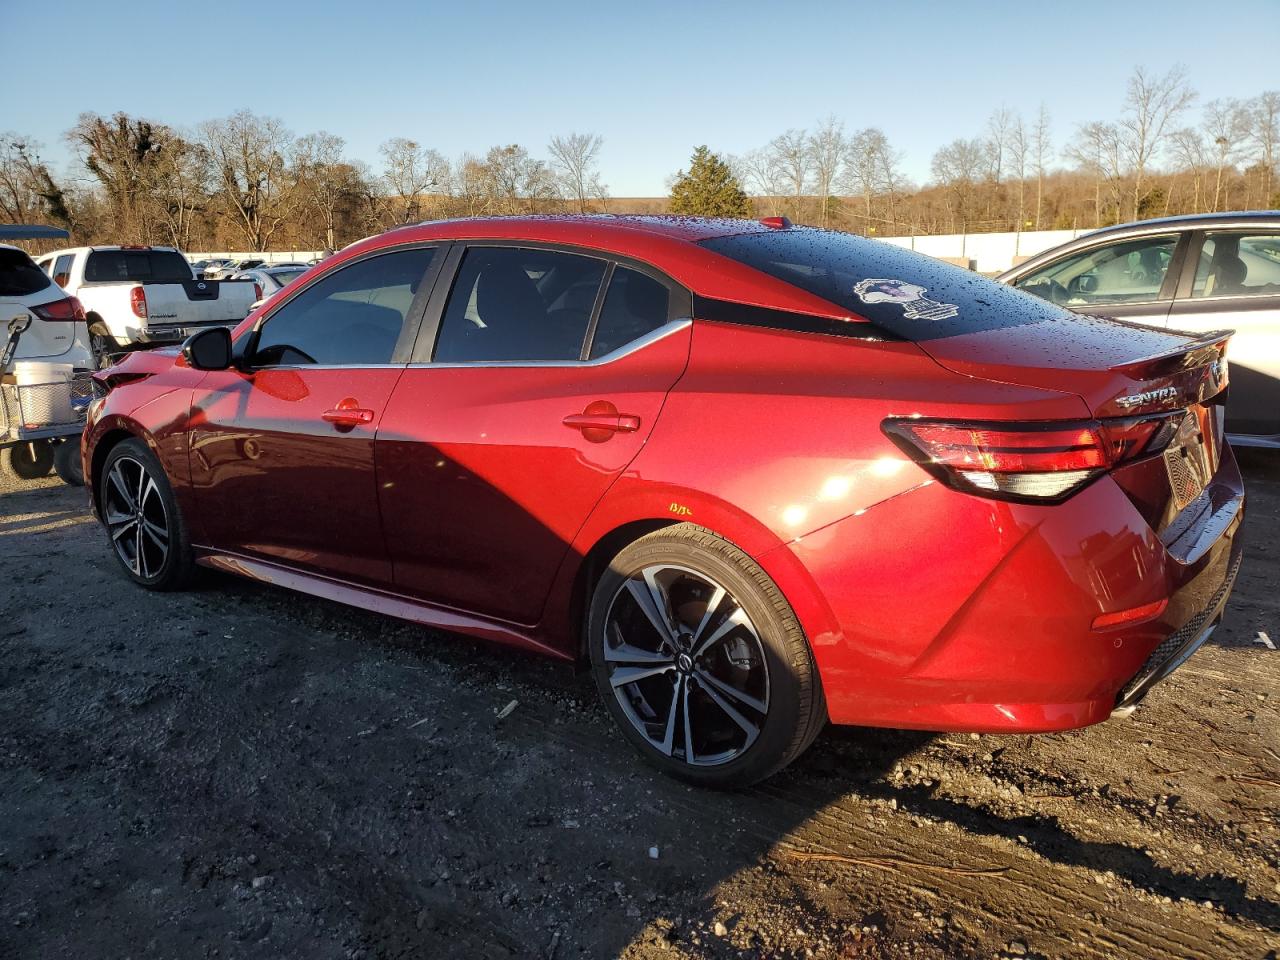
44 324
271 279
58 332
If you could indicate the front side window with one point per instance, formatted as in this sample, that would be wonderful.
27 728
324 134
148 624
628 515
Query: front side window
1131 271
1238 265
512 304
635 304
353 316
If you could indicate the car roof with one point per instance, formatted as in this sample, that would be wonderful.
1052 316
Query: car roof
588 228
1228 218
669 243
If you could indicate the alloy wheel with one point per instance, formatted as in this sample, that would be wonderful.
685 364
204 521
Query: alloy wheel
686 665
136 518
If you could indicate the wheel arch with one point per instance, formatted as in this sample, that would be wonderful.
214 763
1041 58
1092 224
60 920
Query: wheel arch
106 437
632 510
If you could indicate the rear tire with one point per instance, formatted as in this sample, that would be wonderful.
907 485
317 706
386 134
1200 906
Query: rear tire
145 527
104 348
701 661
66 463
29 460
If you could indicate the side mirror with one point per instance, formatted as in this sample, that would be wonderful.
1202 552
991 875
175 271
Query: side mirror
208 349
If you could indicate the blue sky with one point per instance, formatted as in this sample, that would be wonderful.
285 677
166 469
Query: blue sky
654 79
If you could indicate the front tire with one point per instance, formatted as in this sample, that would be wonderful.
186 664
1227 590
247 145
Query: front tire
701 661
28 460
144 524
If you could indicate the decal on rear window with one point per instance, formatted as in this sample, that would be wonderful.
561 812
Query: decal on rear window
910 296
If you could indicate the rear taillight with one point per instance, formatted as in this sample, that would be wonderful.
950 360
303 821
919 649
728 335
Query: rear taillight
68 308
257 292
138 301
1035 461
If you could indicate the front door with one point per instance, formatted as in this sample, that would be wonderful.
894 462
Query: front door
549 371
1128 278
282 451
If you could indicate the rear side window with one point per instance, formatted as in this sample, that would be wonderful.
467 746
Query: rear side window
906 295
519 304
355 315
158 266
635 305
19 276
1238 265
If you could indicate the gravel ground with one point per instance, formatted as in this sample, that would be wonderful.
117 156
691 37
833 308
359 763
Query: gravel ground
241 772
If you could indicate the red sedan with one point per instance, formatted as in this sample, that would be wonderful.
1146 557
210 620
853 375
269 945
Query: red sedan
759 477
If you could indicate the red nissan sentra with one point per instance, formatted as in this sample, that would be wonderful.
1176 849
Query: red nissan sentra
759 477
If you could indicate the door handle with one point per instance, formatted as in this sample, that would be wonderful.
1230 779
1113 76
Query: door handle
601 420
348 413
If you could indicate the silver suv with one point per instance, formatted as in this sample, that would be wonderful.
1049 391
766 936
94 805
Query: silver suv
1198 273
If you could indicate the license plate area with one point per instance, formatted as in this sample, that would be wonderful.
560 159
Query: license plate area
1191 459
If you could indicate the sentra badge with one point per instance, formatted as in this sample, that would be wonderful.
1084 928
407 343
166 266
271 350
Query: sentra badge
1148 396
910 296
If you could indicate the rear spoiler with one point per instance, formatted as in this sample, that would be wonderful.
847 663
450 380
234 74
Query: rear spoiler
1200 350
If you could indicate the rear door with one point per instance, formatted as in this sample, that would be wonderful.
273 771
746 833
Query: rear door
1231 280
548 372
282 455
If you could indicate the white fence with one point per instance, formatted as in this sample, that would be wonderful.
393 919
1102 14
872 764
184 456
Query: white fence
986 252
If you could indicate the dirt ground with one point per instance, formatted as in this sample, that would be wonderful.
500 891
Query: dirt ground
242 772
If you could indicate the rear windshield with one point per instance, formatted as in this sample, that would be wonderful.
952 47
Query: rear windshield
285 276
161 266
19 275
907 294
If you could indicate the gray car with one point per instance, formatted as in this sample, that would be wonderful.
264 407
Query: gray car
1197 273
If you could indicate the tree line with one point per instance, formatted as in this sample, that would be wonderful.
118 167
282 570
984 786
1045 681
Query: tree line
247 182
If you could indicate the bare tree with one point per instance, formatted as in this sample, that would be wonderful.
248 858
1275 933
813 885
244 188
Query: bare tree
826 155
28 191
958 167
1019 149
180 190
514 182
410 172
123 154
1226 126
760 174
1040 148
1152 104
1189 153
865 171
1265 116
1099 151
326 181
249 153
574 158
790 154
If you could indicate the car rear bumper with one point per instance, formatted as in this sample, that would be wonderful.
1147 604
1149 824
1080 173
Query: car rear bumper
175 333
950 612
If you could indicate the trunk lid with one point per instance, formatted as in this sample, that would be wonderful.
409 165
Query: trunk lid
1119 369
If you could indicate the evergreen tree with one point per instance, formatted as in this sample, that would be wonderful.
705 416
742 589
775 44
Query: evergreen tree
709 189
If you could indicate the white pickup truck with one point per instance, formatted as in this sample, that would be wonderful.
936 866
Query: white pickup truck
144 296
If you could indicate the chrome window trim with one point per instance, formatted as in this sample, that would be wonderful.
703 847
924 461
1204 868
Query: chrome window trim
653 336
